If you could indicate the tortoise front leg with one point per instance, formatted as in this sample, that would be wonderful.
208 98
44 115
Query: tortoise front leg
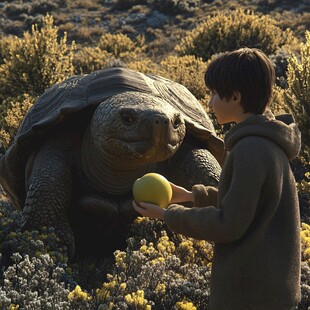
192 165
49 195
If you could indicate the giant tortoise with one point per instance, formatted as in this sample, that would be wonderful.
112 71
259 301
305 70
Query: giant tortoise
85 141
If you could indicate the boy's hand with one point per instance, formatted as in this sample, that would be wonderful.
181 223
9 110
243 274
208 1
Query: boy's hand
149 210
180 194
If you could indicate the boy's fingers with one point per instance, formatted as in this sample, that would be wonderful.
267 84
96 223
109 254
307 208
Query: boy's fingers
146 205
173 186
137 207
140 209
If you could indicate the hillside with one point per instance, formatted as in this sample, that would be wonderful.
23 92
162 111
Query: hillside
163 23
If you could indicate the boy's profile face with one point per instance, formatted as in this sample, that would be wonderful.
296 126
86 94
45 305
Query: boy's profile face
247 71
227 110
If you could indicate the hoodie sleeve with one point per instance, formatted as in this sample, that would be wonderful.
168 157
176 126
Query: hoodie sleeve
246 173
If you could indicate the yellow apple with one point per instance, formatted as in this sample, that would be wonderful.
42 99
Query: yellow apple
153 188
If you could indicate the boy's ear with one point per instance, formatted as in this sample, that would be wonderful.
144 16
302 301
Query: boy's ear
236 97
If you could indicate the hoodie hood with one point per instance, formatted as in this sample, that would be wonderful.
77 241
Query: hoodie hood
281 130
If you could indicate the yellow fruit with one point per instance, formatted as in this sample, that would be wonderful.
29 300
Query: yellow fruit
153 188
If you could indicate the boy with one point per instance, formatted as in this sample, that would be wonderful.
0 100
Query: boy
253 217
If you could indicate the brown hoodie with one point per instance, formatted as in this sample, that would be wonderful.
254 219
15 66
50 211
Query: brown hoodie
253 219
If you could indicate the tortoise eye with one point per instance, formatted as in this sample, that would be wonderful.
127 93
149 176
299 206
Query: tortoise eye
177 122
128 116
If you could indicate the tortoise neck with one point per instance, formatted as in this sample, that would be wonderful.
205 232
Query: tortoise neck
106 172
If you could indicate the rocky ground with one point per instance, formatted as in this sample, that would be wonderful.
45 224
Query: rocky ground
160 22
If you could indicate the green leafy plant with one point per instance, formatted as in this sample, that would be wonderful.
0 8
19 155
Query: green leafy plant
12 111
121 46
297 95
227 31
89 59
30 65
35 61
188 71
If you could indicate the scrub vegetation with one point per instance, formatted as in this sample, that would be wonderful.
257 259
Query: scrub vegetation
41 46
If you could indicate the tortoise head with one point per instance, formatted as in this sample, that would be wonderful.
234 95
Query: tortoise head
137 126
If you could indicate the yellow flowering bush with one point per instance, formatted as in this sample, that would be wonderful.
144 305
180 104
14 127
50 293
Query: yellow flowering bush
104 293
184 305
165 246
136 301
156 271
78 294
305 242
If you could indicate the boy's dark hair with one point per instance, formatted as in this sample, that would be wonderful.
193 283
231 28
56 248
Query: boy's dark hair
247 71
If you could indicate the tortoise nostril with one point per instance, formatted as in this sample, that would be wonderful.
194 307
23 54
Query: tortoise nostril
165 121
161 120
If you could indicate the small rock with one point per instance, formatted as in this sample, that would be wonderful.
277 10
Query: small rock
157 20
76 18
136 18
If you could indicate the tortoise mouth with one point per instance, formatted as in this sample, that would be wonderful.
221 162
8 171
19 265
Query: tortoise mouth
147 148
173 146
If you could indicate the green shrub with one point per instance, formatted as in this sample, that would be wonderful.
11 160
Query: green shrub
188 71
121 46
12 112
28 66
89 59
86 35
4 43
232 30
297 95
145 65
35 62
278 105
